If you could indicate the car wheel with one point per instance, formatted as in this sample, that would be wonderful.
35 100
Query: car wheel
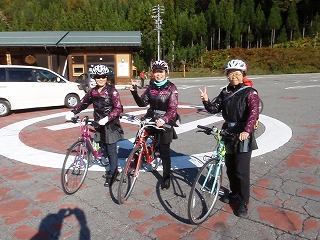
5 108
71 100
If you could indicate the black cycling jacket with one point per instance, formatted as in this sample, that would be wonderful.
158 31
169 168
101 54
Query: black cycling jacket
238 104
163 101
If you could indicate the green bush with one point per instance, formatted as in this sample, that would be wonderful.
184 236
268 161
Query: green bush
301 56
267 60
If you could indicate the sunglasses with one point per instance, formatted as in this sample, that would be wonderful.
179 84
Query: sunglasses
159 70
100 76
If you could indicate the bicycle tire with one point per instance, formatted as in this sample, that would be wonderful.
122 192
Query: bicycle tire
75 167
260 106
129 175
201 201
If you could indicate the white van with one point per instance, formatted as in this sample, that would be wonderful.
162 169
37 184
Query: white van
23 87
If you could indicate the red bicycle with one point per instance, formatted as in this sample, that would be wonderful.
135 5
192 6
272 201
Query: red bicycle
144 152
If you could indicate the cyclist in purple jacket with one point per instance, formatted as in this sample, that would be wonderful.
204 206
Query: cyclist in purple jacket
107 108
162 95
239 105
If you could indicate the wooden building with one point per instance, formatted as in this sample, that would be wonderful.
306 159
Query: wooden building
71 53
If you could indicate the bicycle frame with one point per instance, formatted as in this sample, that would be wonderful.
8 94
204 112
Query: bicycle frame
142 136
220 156
141 140
85 135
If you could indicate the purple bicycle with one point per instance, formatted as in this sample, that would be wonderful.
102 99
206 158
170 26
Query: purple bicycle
82 154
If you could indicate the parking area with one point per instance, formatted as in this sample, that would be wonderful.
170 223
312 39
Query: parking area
285 182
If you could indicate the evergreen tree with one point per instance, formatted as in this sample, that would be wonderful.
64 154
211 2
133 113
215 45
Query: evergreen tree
274 22
227 19
292 20
248 17
259 25
282 37
169 33
213 21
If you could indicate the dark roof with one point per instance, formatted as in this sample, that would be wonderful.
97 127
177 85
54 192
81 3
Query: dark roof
70 39
110 38
34 39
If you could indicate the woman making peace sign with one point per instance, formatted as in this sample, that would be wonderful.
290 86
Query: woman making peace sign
239 105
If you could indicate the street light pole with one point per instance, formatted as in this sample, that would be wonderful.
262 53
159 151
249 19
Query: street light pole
157 11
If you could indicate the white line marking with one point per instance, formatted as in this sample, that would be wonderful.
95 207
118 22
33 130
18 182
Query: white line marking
12 147
302 87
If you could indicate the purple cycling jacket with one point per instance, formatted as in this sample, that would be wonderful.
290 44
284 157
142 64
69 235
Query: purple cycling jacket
105 103
163 101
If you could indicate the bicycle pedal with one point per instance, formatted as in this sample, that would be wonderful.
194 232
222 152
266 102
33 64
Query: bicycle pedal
104 161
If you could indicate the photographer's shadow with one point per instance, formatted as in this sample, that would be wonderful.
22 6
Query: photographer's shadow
51 226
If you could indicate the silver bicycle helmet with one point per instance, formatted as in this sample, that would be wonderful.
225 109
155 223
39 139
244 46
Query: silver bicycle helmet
236 64
100 71
160 64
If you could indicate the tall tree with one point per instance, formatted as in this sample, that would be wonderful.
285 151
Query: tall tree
248 17
227 7
259 25
274 22
213 20
169 33
292 20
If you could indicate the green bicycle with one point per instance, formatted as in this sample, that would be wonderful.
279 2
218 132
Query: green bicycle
205 189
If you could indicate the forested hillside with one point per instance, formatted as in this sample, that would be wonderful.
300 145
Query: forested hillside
189 27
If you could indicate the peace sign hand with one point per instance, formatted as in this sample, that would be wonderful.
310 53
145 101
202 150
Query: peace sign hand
133 86
203 94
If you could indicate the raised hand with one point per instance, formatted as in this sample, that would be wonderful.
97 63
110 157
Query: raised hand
203 94
133 86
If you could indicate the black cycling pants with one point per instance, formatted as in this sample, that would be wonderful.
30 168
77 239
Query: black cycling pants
110 151
166 159
238 171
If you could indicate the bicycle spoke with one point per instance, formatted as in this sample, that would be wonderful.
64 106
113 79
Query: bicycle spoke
204 192
75 167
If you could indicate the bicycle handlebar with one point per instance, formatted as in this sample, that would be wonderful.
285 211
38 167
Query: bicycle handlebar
144 121
214 131
86 120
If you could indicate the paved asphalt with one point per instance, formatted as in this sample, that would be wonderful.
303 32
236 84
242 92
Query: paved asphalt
285 182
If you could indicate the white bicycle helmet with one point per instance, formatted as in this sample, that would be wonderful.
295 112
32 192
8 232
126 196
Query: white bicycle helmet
100 71
236 64
160 64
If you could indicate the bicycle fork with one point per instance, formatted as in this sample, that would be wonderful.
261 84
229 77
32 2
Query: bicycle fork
79 163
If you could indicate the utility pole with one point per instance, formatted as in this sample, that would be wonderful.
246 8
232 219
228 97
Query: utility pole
157 11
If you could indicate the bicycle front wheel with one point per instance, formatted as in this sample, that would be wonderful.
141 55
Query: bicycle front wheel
75 167
260 106
129 175
204 192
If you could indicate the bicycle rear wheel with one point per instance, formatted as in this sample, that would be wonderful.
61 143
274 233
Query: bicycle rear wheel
129 175
204 192
75 167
